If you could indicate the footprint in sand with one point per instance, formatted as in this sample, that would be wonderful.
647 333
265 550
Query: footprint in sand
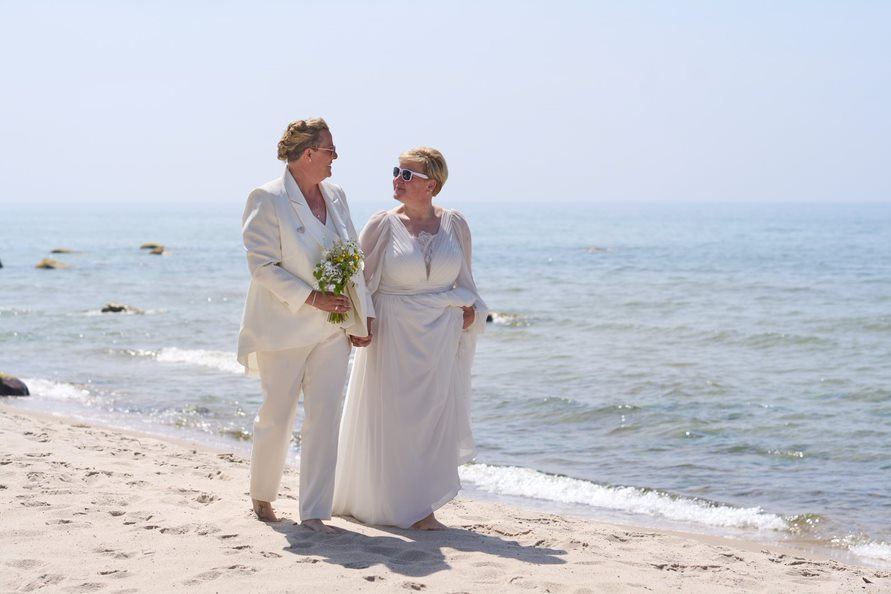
38 437
114 553
49 579
383 550
206 498
682 568
37 455
302 544
206 576
413 556
177 530
220 572
25 563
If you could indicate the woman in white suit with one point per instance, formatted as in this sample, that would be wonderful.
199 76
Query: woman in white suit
285 335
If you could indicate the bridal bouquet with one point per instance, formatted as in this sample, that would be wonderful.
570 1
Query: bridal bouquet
336 270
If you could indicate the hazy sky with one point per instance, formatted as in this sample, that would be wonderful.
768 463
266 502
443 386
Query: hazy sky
529 101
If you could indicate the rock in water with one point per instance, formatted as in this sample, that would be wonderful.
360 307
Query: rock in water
150 246
120 307
50 264
158 250
63 251
12 386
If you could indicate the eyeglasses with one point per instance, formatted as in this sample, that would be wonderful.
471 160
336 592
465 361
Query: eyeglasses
331 148
407 174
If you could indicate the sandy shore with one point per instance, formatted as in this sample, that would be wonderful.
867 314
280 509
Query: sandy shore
86 508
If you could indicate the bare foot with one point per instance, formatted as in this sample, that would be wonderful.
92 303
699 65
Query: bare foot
264 511
317 526
429 523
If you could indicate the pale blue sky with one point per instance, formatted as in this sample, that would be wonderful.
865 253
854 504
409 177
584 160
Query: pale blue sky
547 101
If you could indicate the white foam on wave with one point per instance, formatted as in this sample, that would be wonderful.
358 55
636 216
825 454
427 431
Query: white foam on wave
873 550
214 359
861 546
525 482
56 390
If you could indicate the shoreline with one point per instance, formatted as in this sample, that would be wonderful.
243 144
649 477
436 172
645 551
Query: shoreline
215 443
98 507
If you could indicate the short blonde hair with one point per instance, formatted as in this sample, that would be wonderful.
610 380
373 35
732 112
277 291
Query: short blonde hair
434 164
299 136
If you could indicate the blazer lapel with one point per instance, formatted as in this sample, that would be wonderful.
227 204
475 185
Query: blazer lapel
333 202
301 208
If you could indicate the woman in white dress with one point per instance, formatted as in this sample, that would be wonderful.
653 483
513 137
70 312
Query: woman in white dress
406 425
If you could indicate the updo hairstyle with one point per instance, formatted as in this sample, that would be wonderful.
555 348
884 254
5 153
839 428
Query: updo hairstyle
299 136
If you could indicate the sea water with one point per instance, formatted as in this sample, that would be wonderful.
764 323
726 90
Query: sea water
722 368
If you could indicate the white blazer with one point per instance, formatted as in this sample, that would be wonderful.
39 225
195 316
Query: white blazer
283 247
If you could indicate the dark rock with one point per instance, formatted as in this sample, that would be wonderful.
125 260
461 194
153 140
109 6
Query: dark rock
120 308
12 386
50 264
150 246
490 318
63 251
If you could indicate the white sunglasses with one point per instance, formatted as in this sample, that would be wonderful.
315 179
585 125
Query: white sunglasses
407 174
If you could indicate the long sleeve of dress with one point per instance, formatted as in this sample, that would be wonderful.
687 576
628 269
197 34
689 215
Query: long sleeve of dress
465 275
262 240
373 241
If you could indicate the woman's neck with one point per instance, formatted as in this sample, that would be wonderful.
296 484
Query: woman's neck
310 189
419 212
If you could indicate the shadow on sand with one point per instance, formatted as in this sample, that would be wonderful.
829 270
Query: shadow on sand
411 553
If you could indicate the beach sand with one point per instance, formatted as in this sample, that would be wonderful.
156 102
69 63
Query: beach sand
85 508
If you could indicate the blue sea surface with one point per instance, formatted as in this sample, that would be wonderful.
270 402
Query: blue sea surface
715 367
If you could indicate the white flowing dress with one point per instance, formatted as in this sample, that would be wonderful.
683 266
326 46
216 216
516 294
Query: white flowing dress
406 422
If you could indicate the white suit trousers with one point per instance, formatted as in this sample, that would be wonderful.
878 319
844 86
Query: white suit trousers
320 372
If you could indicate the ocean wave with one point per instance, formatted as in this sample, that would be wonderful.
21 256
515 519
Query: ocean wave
57 390
861 546
880 551
525 482
219 360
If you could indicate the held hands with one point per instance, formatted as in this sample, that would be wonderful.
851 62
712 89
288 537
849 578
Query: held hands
469 316
362 341
329 302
